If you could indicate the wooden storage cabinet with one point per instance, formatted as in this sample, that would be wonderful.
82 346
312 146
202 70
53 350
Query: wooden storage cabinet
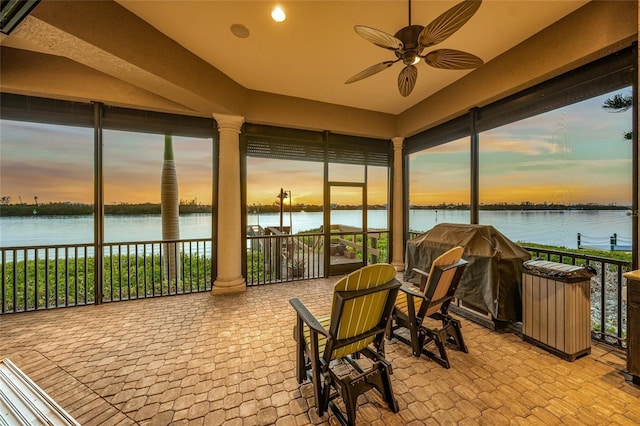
556 308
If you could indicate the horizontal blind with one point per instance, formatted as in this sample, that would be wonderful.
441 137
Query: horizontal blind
596 78
282 143
43 110
452 130
61 112
346 149
133 120
303 145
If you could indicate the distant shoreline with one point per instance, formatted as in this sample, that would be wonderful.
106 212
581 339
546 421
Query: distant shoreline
79 209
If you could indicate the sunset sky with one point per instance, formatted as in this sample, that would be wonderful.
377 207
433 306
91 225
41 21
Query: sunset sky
576 154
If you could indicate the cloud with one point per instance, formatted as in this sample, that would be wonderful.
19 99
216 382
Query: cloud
492 142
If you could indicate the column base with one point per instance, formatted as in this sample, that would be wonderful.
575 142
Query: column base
236 285
398 265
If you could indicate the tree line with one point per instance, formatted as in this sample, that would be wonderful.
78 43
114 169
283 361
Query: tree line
80 209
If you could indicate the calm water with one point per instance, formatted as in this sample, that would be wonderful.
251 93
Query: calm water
545 227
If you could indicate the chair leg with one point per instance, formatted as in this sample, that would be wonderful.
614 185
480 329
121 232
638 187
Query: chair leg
301 362
350 398
454 329
326 395
385 389
315 375
451 332
417 339
438 337
349 388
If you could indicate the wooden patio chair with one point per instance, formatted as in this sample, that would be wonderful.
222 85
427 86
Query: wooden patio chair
328 346
431 300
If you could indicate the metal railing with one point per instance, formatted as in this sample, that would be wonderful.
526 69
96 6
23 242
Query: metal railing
608 315
44 277
156 268
280 258
284 257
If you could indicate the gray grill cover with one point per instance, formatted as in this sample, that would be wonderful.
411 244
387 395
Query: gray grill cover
493 278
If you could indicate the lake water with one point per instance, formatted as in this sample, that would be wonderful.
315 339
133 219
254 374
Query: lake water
558 228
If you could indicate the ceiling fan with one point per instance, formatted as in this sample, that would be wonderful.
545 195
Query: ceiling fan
410 42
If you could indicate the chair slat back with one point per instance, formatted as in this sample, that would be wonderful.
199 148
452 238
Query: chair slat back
362 304
438 285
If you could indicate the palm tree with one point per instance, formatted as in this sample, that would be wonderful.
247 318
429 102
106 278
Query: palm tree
170 210
619 103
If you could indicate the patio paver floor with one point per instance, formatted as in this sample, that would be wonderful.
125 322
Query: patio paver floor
208 360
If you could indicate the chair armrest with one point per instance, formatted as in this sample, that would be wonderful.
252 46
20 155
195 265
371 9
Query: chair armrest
411 291
307 317
420 271
424 277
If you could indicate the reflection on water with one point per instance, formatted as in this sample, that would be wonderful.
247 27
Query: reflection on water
558 228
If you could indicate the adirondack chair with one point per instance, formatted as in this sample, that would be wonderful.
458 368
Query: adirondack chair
414 306
362 304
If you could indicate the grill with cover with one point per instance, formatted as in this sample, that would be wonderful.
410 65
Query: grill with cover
492 281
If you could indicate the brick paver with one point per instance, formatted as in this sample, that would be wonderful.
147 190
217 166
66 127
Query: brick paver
204 359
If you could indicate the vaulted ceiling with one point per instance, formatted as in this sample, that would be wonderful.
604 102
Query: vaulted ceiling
182 56
315 50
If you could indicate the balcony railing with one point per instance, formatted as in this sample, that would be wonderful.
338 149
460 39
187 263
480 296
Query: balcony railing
284 257
608 310
156 268
44 277
278 258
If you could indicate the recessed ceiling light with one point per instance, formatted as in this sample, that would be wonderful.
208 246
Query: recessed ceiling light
278 14
239 30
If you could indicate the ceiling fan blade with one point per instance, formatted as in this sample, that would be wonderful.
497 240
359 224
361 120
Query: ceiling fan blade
379 38
448 23
374 69
407 80
452 59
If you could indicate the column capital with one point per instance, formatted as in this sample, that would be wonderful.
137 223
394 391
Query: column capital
398 141
229 122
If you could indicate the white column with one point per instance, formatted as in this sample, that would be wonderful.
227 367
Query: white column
229 279
398 194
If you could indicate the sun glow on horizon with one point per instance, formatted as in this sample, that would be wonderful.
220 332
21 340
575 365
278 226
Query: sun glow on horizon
572 155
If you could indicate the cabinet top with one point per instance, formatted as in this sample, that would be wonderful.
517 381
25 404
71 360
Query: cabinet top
632 275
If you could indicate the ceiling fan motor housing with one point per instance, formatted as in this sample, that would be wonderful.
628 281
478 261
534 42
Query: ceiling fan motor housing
409 38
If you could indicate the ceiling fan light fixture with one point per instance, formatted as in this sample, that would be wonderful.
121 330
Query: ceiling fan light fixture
408 45
278 14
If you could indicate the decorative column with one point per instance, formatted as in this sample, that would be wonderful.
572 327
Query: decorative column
397 205
229 279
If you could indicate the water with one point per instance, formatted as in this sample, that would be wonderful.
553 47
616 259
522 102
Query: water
558 228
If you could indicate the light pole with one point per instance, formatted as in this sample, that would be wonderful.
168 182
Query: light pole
281 196
285 193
